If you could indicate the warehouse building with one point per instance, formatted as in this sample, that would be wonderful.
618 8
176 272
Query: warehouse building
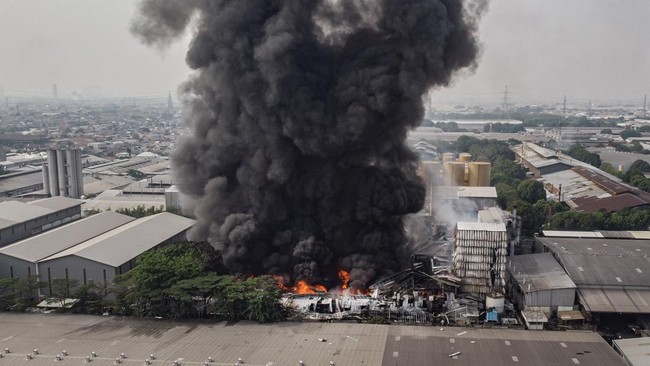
538 281
611 275
19 220
20 259
100 259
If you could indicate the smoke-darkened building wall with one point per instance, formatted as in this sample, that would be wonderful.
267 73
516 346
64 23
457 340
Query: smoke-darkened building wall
62 174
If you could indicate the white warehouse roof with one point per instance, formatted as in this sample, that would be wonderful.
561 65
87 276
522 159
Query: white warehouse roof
51 242
128 241
15 212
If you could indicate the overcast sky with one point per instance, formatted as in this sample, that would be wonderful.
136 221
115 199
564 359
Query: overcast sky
542 49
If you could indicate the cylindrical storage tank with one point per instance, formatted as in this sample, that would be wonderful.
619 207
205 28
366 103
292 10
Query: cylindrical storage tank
621 168
71 173
447 157
495 300
61 173
455 173
46 179
479 174
80 176
465 157
52 167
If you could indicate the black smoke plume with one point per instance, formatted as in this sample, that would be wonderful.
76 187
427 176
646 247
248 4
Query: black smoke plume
300 110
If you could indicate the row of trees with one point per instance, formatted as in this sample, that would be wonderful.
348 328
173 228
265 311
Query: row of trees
182 280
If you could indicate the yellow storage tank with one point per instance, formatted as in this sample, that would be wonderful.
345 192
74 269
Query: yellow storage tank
455 173
479 174
465 157
447 157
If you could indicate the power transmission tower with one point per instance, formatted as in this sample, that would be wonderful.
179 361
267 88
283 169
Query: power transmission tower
564 108
170 105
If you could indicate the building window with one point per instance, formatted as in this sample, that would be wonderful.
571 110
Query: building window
11 271
84 270
29 271
105 283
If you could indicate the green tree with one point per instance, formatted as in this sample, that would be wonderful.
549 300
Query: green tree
625 134
91 298
8 297
608 168
531 191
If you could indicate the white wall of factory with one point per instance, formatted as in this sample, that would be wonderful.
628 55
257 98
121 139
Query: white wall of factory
12 267
62 174
83 270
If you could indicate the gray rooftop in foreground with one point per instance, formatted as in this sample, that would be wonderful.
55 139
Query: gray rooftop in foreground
51 242
287 343
541 271
132 239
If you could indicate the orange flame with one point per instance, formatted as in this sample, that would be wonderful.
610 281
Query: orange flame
344 276
281 282
303 288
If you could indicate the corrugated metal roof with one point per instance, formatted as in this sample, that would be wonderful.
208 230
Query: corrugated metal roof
635 350
126 242
56 203
480 226
615 300
285 343
572 234
51 242
541 272
617 263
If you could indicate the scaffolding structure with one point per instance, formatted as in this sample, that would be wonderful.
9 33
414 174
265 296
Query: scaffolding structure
479 257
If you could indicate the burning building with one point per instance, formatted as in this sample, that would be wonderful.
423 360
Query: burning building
300 111
479 257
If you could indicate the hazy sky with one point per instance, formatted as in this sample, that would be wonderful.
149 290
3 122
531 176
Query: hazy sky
542 49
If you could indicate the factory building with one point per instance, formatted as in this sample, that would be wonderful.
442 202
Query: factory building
100 259
19 220
479 257
62 174
20 259
611 275
538 281
20 182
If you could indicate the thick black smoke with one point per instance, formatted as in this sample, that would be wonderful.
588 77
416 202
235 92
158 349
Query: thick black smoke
300 110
